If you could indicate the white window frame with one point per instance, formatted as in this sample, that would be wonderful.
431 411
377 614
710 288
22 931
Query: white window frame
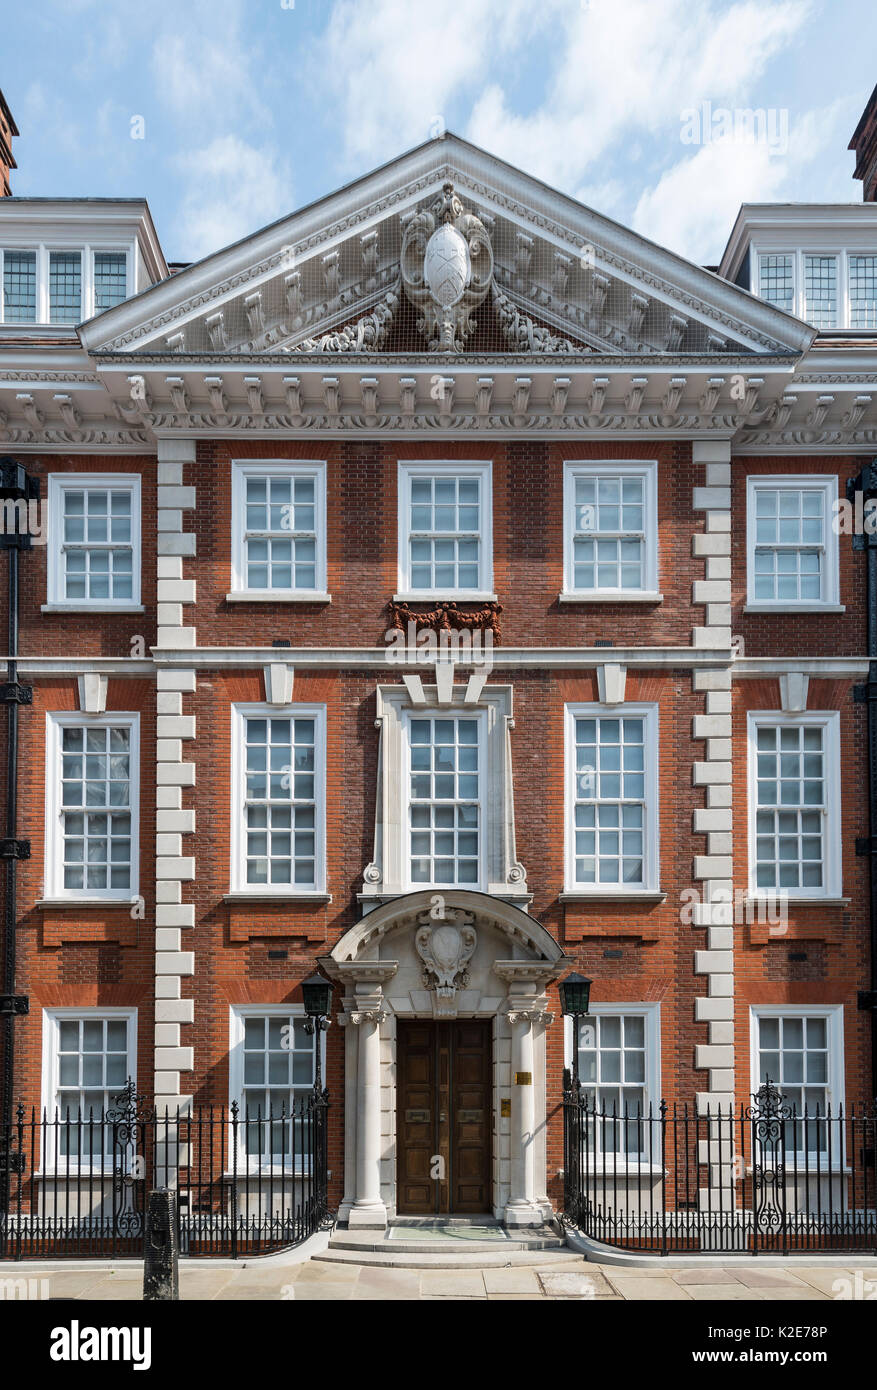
834 1016
59 483
651 1013
238 865
54 838
841 255
829 722
22 323
827 483
647 469
241 470
87 305
651 819
850 255
49 1080
477 717
411 469
237 1015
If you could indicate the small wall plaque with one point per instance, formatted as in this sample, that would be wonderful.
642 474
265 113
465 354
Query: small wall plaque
505 1107
523 1078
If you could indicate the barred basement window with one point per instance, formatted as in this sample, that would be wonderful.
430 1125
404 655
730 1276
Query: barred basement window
281 774
800 1050
611 800
65 286
91 807
279 528
794 805
820 291
444 529
110 279
792 550
863 291
88 1057
445 759
776 280
94 541
19 286
272 1068
619 1070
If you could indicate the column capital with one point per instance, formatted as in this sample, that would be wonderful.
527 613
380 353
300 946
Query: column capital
530 1015
356 1016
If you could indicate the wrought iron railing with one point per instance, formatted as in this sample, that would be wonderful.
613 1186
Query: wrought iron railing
762 1178
246 1183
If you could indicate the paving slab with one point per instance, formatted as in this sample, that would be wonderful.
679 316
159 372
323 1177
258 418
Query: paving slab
687 1277
804 1294
770 1279
574 1285
662 1289
726 1293
835 1282
464 1283
512 1281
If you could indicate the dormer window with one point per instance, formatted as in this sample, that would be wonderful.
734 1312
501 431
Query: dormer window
65 286
863 291
60 285
828 289
20 286
820 291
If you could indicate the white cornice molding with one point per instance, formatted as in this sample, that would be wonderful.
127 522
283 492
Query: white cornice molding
818 667
561 223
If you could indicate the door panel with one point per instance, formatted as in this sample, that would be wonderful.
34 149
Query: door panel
444 1113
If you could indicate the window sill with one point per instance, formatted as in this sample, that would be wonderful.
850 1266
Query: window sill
644 895
475 596
92 608
274 897
794 608
811 900
617 596
76 903
282 597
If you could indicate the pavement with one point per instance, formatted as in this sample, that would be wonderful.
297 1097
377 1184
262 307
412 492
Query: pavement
316 1281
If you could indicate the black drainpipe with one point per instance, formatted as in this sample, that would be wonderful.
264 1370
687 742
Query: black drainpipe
17 490
866 484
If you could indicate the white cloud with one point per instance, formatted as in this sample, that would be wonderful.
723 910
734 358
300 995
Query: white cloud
231 188
629 67
693 206
391 67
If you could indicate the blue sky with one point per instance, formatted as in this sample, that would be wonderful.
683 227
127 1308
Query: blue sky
251 108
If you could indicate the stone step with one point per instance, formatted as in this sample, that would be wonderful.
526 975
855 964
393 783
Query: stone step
388 1258
345 1240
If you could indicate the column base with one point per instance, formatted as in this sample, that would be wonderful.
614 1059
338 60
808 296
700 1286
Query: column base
372 1217
523 1214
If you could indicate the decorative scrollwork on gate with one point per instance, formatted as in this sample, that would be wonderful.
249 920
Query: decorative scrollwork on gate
769 1116
128 1117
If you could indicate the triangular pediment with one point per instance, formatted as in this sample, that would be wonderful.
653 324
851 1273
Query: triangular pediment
331 282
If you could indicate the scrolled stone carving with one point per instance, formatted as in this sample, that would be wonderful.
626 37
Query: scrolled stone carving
365 335
358 1016
521 333
446 946
447 270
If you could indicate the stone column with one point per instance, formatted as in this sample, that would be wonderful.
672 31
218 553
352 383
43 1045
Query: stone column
368 1209
522 1208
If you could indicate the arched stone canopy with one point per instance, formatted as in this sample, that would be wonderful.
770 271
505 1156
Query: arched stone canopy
445 954
521 929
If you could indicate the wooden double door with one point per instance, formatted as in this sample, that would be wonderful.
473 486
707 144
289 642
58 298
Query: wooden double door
444 1124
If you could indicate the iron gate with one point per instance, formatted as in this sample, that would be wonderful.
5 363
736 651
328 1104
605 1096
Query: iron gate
764 1178
246 1184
